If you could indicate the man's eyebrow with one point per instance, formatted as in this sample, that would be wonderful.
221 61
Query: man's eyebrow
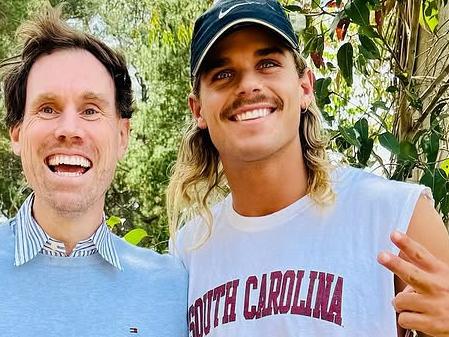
44 97
92 96
214 63
270 50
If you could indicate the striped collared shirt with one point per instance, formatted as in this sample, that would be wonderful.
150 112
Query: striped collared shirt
31 239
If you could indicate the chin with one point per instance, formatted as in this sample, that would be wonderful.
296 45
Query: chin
65 206
66 203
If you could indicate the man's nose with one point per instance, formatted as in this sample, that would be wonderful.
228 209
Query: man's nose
69 125
250 83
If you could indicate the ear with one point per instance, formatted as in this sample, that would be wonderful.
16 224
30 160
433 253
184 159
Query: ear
195 108
124 130
14 135
307 86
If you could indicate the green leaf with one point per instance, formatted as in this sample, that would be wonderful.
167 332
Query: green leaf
293 8
135 236
345 62
437 182
444 206
408 151
113 221
350 135
322 91
358 12
364 153
445 166
369 48
392 89
360 64
431 145
380 105
428 16
310 36
389 141
342 144
369 32
362 128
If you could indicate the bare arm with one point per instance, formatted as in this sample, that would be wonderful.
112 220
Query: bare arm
421 273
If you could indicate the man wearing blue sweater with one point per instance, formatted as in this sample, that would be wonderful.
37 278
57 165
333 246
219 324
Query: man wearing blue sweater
62 272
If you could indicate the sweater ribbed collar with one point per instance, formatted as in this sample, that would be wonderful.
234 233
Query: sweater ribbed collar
31 239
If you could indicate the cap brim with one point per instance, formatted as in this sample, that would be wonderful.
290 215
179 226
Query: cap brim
229 26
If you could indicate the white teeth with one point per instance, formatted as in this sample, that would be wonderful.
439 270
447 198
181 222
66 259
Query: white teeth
253 114
69 160
68 174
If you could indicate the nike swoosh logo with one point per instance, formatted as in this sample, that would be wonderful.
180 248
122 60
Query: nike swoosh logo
222 14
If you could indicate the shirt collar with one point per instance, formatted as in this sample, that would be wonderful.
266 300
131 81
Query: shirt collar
30 238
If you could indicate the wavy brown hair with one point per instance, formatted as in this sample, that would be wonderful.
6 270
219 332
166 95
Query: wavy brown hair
198 180
46 33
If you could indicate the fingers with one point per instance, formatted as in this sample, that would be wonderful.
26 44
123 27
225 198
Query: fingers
416 253
414 321
406 271
423 323
410 301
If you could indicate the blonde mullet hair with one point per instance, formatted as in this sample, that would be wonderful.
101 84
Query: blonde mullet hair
198 180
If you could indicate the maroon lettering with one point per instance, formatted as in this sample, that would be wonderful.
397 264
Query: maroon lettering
296 300
337 299
199 317
248 313
305 307
273 294
288 283
218 294
207 300
191 321
230 299
322 297
262 296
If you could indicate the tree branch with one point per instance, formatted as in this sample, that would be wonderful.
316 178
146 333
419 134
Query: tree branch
436 82
431 106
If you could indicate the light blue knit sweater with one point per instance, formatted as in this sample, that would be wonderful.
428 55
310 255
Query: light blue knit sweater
86 296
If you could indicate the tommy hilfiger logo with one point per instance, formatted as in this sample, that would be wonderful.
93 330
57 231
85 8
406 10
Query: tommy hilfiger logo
133 330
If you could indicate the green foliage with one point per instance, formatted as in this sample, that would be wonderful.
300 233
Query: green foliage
350 44
135 236
374 106
345 62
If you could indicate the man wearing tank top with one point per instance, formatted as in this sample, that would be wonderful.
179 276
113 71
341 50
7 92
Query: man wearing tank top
291 250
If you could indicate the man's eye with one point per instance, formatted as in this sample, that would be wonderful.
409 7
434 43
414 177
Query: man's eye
90 112
267 64
48 110
223 74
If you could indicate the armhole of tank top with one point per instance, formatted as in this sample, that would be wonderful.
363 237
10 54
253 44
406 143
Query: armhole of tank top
406 213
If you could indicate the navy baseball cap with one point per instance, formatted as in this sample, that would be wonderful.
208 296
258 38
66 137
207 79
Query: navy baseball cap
226 14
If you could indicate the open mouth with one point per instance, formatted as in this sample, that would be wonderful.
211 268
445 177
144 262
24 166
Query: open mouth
252 114
68 165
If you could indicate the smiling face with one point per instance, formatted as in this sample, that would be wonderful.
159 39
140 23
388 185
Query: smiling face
251 96
71 136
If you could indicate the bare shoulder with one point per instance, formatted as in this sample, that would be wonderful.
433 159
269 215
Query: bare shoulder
427 228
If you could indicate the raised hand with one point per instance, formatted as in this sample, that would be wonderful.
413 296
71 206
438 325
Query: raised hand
424 303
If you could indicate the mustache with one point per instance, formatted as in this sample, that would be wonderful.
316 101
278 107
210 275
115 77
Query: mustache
242 101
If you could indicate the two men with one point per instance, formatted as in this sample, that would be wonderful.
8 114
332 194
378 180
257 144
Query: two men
63 273
291 251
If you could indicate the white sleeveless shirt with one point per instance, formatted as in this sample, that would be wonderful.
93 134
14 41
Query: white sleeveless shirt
302 271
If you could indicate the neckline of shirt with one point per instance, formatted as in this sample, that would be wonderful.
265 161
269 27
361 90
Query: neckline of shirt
273 220
30 239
